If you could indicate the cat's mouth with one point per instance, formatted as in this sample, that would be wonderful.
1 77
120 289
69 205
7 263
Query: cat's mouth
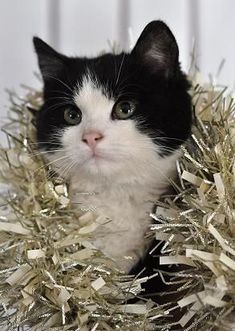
99 157
98 154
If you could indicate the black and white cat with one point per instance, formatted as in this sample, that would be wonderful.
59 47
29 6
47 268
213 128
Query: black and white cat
113 125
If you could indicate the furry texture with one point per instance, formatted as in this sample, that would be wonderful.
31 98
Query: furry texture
131 153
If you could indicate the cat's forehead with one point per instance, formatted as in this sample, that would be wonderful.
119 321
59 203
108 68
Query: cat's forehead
91 95
106 72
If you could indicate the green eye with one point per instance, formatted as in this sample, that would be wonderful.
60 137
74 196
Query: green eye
72 116
124 110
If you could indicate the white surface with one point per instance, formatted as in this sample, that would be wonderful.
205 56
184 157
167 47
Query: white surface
216 28
19 21
87 25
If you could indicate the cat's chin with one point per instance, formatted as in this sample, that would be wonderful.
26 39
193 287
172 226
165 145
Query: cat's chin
97 164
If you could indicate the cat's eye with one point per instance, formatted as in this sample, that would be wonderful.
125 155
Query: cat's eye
72 116
124 110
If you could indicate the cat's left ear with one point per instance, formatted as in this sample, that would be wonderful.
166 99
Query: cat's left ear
157 49
51 63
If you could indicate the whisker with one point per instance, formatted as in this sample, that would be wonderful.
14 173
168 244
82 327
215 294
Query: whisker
60 81
62 165
47 152
58 105
68 169
120 69
67 99
51 162
43 142
62 93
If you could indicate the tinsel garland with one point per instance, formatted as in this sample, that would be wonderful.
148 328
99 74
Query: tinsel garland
51 278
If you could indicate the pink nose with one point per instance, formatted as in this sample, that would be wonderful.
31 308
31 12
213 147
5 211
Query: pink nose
92 138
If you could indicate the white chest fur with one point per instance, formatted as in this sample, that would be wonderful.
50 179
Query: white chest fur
123 215
123 220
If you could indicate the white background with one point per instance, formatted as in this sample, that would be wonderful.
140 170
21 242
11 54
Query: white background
84 27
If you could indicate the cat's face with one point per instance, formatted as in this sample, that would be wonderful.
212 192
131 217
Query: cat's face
114 115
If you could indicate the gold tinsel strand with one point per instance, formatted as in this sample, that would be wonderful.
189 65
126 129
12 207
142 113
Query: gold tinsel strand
51 278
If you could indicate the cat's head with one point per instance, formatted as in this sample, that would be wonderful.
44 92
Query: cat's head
115 116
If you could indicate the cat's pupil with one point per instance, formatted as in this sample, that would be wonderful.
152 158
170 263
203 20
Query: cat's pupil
73 114
125 107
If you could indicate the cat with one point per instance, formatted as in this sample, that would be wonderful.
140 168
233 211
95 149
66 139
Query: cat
112 126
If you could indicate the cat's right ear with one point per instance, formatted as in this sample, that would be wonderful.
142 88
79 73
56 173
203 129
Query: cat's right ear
50 62
157 49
